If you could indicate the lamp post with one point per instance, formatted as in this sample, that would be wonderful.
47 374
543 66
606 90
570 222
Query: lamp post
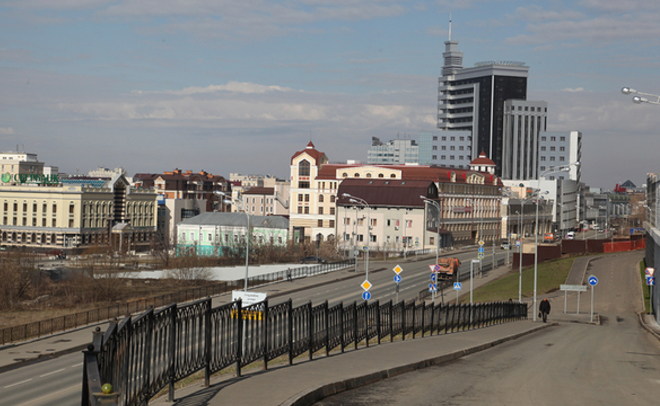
355 199
536 250
241 206
638 99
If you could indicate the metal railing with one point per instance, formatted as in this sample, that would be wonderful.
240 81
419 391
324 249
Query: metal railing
71 321
141 356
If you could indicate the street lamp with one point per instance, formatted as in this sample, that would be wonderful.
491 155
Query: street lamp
241 207
536 250
355 199
638 99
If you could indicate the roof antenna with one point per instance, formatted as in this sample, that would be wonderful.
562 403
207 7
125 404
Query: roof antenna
449 26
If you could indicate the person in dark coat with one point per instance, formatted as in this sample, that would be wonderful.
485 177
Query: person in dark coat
288 275
544 308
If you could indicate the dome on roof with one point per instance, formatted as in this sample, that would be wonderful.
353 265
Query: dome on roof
483 164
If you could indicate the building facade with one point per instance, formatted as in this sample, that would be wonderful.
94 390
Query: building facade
213 234
77 217
445 148
560 148
394 152
523 121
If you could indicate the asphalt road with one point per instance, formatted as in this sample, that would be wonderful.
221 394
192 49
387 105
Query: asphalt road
58 381
616 363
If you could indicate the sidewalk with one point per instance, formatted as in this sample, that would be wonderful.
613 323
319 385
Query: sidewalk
306 382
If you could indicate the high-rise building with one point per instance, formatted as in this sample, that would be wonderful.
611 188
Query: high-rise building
523 121
473 99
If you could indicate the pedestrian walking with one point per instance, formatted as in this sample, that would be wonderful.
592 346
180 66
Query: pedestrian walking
544 308
288 275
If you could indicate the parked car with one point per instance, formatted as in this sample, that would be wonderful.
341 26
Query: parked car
313 260
549 237
505 245
570 235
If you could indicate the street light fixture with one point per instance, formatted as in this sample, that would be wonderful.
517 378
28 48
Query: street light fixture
355 199
638 99
241 207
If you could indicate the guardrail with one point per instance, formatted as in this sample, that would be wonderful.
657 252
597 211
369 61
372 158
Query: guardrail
71 321
138 357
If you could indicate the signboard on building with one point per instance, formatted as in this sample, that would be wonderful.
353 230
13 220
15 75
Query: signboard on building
24 178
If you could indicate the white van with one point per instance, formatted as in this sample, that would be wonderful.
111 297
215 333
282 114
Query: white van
570 235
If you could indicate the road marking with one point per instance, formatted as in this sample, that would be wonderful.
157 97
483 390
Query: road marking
18 383
76 366
39 399
51 373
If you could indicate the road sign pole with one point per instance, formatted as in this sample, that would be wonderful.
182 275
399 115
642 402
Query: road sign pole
592 303
578 306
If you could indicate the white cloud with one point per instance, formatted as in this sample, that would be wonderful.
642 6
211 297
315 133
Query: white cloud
6 131
577 89
232 87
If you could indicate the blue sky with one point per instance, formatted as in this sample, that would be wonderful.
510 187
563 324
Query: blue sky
228 86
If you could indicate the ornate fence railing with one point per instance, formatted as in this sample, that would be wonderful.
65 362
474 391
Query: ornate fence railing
70 321
141 356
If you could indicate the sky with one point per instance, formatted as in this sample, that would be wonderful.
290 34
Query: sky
240 86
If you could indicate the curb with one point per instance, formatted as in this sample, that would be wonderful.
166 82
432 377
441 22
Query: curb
313 395
640 318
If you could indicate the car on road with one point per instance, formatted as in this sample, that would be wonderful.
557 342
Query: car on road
312 259
570 235
505 245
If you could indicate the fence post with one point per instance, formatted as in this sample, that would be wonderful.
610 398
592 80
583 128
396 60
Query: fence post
310 330
414 310
341 326
239 337
423 317
290 317
378 320
147 356
391 322
207 343
366 324
403 320
172 353
266 326
355 324
327 329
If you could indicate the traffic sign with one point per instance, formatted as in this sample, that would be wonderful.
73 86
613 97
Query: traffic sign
480 255
649 271
397 269
457 286
433 277
366 285
481 242
366 295
365 248
593 281
397 278
432 287
650 280
481 249
517 243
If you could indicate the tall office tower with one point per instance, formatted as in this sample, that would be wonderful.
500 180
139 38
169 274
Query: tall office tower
523 121
473 99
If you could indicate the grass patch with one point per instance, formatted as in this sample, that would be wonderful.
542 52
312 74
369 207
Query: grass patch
550 275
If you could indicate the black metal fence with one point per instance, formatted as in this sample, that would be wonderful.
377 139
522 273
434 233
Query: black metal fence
141 356
70 321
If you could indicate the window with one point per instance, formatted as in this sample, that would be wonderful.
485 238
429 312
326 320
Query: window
542 168
432 241
6 206
452 138
444 147
24 207
452 157
34 222
452 148
300 198
562 138
443 157
435 148
373 238
373 222
552 158
54 223
320 210
303 168
54 208
562 149
320 223
461 148
435 138
332 198
461 138
561 158
444 138
71 223
43 222
320 198
460 157
71 208
553 138
303 184
34 207
332 211
347 221
552 148
542 148
24 221
331 224
300 209
306 198
306 209
542 158
543 138
359 238
434 157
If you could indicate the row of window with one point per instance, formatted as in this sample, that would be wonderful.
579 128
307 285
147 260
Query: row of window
25 206
552 158
303 197
451 138
553 149
227 240
451 148
553 138
451 157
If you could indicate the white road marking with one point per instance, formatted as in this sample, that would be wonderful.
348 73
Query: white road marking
50 395
18 383
77 365
51 373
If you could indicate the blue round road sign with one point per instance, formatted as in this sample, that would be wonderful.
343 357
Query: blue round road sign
593 281
433 277
366 295
397 278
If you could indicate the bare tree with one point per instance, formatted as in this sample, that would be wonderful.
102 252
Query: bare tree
189 268
17 272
